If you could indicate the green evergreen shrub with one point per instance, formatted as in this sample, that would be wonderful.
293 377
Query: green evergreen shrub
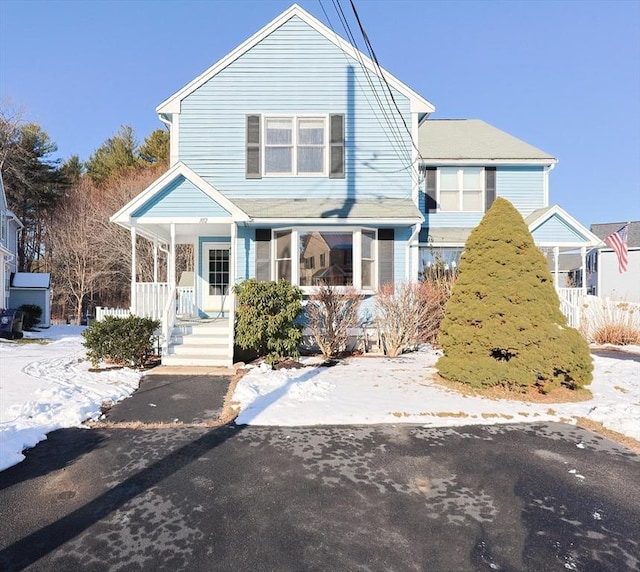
503 325
125 341
265 318
31 315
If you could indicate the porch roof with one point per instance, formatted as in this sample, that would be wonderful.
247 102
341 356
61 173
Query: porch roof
379 211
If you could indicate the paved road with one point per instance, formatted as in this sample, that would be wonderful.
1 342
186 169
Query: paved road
382 498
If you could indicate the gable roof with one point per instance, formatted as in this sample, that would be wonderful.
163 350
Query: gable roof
172 104
124 215
468 139
602 230
583 237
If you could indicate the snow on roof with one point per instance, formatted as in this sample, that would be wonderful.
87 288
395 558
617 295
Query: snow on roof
31 280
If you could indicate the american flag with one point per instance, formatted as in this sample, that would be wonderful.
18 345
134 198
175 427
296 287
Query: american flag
618 241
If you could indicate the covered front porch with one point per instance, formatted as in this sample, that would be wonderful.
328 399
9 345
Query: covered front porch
194 301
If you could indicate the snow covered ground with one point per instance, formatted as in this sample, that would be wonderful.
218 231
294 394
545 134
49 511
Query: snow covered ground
366 390
49 386
46 387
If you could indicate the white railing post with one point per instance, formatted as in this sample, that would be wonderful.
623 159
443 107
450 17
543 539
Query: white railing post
168 318
133 269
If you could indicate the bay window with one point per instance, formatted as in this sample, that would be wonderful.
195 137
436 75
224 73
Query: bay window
345 257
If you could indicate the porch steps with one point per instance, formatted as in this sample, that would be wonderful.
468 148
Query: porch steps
199 343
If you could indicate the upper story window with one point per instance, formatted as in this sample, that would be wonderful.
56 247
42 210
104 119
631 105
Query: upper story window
460 189
295 146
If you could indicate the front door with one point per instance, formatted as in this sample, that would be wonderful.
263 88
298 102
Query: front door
216 264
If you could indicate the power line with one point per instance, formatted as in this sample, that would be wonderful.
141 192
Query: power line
392 131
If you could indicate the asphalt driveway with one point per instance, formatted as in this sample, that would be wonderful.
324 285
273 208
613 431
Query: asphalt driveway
378 498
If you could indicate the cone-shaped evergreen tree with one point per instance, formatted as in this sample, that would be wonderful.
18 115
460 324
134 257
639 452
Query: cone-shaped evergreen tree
503 324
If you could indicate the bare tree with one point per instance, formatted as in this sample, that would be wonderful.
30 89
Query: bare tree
79 256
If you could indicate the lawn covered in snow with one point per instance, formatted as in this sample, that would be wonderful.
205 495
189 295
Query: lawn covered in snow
44 387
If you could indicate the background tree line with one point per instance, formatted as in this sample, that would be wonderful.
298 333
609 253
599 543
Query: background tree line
65 208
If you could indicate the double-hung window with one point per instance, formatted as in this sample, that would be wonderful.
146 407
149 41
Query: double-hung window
461 189
295 145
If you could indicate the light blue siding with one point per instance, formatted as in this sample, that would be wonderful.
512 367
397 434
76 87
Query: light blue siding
296 70
556 230
246 251
181 198
522 186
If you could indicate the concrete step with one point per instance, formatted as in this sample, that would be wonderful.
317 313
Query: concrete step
214 350
214 328
199 339
196 360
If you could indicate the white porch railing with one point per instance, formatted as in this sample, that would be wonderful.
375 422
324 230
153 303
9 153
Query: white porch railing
150 299
186 301
571 304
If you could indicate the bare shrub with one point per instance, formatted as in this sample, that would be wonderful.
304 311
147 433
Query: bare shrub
401 315
434 292
331 312
617 323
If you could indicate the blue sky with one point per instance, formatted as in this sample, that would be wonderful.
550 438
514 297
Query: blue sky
563 76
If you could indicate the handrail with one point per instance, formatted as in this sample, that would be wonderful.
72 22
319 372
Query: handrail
168 319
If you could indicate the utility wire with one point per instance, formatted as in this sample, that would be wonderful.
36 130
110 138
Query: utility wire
398 145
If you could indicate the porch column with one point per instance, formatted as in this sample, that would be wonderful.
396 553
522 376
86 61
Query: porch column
133 270
155 260
583 256
556 255
172 257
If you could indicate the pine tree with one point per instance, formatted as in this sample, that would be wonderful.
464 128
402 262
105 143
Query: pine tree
503 325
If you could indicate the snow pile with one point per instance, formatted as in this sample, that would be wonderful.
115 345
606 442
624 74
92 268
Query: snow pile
48 387
364 390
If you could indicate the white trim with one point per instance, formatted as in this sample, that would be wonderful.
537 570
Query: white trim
123 216
174 140
415 156
331 222
181 220
173 103
484 162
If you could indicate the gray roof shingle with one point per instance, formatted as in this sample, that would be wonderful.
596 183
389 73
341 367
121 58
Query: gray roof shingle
330 208
458 139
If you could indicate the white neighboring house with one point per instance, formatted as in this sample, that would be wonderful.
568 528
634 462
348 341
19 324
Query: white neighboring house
603 277
9 228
